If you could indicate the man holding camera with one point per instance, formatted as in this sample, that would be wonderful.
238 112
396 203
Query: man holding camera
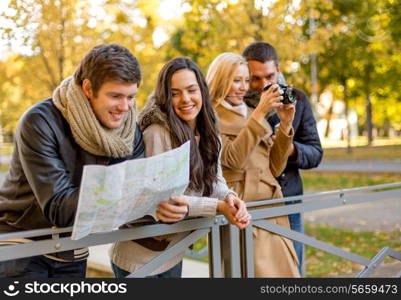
307 151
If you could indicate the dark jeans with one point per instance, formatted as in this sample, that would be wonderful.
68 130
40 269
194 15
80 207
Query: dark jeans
174 272
296 224
41 267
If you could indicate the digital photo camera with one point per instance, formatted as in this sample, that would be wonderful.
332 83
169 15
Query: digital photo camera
288 93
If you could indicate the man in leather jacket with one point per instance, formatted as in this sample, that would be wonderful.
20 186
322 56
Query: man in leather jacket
307 151
90 119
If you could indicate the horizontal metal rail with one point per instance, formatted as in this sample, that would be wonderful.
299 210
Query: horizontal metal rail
323 195
236 256
341 200
53 245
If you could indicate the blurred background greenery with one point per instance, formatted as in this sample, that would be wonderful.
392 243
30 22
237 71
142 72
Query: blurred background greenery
346 54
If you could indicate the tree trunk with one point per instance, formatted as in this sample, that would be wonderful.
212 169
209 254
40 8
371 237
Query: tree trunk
386 126
369 123
346 102
368 102
328 119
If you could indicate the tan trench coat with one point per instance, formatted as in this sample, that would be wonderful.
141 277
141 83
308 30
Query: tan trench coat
250 162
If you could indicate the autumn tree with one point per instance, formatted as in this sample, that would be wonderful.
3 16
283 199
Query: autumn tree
48 39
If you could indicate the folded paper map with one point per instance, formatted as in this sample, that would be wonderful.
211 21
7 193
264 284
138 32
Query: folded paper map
111 196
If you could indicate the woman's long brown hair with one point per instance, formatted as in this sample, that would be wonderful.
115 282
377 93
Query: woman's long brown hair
203 159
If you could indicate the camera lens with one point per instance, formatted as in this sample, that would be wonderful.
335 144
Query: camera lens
288 94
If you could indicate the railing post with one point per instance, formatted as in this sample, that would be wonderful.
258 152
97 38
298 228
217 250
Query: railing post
214 252
247 252
231 251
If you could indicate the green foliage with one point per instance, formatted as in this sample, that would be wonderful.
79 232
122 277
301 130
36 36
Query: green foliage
318 181
357 45
199 245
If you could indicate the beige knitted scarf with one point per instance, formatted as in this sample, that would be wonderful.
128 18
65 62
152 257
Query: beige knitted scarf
87 131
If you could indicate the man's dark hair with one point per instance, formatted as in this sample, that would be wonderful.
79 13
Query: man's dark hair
108 62
260 51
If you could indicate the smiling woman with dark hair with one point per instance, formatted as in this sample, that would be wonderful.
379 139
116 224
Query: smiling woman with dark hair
187 113
181 111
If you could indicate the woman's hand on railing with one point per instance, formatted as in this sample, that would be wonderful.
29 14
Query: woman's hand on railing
239 205
230 213
172 212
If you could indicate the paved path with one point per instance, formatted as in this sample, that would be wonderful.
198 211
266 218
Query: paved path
373 215
367 166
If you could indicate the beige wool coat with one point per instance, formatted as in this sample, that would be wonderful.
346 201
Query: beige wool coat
251 161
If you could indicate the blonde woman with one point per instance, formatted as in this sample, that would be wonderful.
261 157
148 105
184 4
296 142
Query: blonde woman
250 158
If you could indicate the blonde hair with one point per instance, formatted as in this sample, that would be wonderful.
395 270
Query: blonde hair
220 75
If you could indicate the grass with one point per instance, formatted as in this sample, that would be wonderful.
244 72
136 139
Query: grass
199 245
366 244
383 153
328 181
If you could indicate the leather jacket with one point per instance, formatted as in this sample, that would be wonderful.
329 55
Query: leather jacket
41 189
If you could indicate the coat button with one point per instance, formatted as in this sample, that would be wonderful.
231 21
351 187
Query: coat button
283 175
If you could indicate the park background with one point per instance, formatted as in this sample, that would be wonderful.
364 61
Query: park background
345 54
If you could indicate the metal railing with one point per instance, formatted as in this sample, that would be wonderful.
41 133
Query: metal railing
236 257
